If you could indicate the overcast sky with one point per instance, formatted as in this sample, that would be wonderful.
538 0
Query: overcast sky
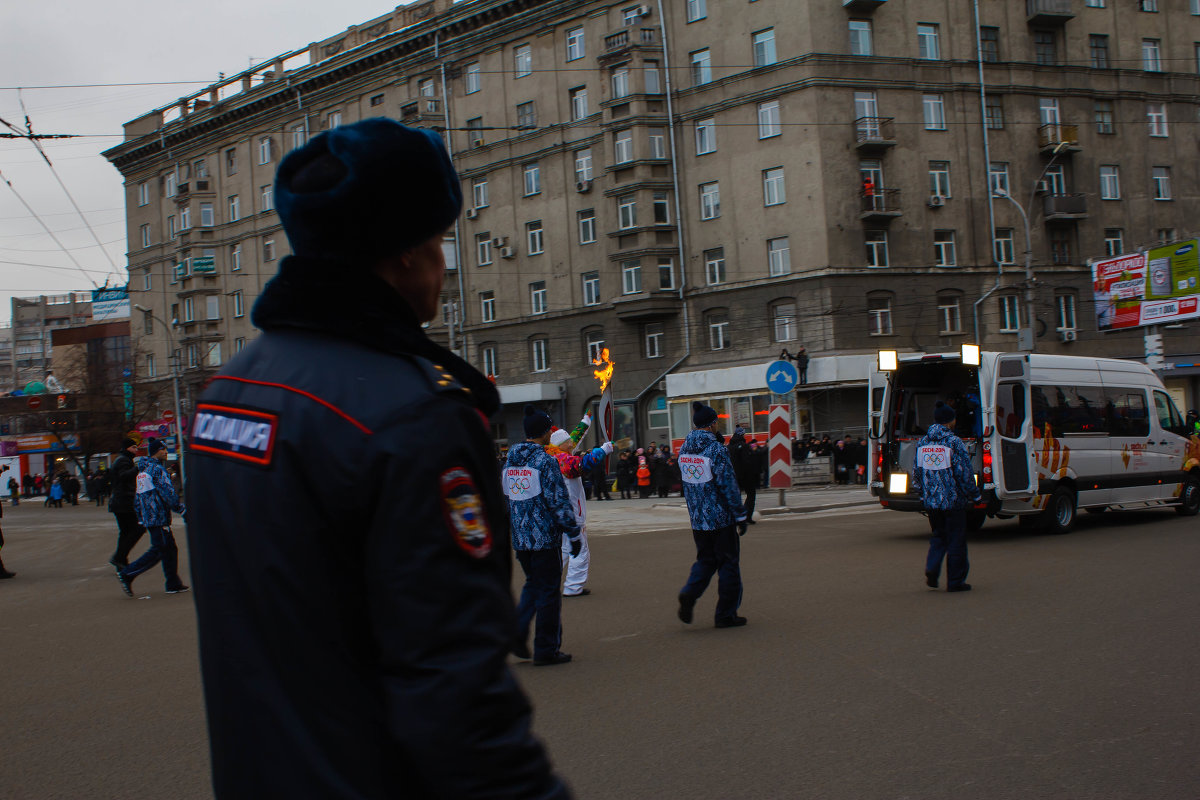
114 42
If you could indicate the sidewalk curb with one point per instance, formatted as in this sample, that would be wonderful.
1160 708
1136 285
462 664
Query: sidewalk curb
806 509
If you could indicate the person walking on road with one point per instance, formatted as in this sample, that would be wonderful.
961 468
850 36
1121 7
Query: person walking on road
745 469
14 488
348 540
123 476
573 468
155 499
717 516
943 479
541 513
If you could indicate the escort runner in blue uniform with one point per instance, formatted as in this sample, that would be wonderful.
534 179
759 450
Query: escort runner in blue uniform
718 518
943 479
348 535
154 499
540 508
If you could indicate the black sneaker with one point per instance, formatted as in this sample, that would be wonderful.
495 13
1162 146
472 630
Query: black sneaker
731 622
686 604
549 661
126 583
117 565
179 590
931 580
962 587
6 574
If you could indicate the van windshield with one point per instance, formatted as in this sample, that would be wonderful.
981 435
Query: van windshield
918 386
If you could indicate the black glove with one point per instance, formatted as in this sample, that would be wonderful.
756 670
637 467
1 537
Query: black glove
576 546
741 527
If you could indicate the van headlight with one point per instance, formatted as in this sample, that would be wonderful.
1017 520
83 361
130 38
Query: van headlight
898 483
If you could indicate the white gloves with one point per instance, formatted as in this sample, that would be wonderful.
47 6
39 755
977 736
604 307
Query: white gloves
587 419
607 447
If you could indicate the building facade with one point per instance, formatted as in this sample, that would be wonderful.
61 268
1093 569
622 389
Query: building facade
34 320
698 186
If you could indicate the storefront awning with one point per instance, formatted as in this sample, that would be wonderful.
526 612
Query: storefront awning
532 392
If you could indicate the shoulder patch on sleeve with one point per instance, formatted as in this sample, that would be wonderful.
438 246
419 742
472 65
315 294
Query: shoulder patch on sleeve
229 431
463 508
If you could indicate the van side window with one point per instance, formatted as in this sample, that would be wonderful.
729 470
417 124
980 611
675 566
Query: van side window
1010 409
1127 413
1075 409
1168 416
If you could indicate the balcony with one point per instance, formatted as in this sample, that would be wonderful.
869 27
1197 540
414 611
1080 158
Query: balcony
647 305
621 42
879 204
1064 207
425 109
1048 12
862 5
872 134
1058 138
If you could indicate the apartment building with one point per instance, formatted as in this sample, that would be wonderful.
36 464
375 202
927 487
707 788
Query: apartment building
34 319
701 185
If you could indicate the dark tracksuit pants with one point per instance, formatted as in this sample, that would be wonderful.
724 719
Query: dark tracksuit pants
129 532
541 596
717 553
162 549
751 495
948 540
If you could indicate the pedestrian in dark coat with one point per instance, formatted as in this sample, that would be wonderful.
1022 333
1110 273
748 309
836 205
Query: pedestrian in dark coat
843 461
123 474
626 475
745 469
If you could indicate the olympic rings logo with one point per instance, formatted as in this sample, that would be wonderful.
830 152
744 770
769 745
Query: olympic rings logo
519 485
935 459
694 470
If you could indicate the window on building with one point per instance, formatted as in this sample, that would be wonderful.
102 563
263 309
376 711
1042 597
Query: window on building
764 47
1098 46
170 184
487 306
666 273
1103 113
483 249
701 61
527 115
147 280
299 135
587 226
540 351
710 200
148 322
575 44
594 341
239 304
989 44
591 288
266 198
532 175
998 177
583 164
1003 248
207 218
268 250
1162 182
1060 245
235 257
769 123
1064 305
877 248
631 277
1156 117
939 178
264 150
1110 182
376 100
879 316
1165 235
696 10
151 367
534 238
651 77
143 193
1010 313
189 309
1056 180
935 112
662 208
927 42
1045 47
706 136
718 330
579 103
623 146
487 360
1094 3
620 83
231 164
949 316
779 257
1114 241
658 142
479 193
185 218
860 37
471 77
145 230
172 228
714 266
537 297
783 318
235 208
627 211
774 191
1152 55
631 15
994 112
522 60
475 132
654 339
943 249
334 118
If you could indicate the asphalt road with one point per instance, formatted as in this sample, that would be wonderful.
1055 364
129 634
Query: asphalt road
1071 671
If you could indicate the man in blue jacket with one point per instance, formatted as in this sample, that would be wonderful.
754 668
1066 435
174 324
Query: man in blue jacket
715 507
943 479
154 499
348 535
540 509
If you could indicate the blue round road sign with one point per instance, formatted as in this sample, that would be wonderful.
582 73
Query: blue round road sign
782 377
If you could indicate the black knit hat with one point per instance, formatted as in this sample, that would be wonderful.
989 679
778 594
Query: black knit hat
365 191
127 443
153 446
537 422
702 415
942 413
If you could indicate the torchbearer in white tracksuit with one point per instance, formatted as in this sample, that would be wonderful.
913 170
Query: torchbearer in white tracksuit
561 447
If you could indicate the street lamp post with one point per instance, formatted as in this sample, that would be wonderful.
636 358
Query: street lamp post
175 388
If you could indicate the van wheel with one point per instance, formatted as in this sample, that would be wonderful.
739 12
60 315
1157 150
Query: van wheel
975 520
1060 511
1189 498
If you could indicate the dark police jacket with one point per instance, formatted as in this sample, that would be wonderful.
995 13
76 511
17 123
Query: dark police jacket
350 559
124 475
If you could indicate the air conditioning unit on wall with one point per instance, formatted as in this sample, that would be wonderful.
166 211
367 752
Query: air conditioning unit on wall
583 186
935 201
472 213
1067 335
507 252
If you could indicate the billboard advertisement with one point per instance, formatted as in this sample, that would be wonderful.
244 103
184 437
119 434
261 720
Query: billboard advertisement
1154 287
110 304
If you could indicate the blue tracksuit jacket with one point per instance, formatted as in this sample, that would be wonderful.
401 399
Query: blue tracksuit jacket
538 502
155 495
942 470
716 502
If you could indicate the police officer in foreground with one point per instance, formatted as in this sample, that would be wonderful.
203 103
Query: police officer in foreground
348 540
943 479
718 519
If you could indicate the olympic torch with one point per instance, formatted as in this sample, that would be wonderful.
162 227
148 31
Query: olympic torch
605 412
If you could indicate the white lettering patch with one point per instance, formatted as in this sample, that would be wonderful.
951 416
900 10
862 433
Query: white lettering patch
239 433
934 457
695 469
144 483
522 483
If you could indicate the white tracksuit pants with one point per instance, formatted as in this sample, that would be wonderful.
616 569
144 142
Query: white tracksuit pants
576 566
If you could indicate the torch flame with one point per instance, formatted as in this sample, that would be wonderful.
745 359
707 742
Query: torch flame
605 373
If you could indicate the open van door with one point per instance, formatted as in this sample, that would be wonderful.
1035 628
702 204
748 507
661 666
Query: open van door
1012 436
876 425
